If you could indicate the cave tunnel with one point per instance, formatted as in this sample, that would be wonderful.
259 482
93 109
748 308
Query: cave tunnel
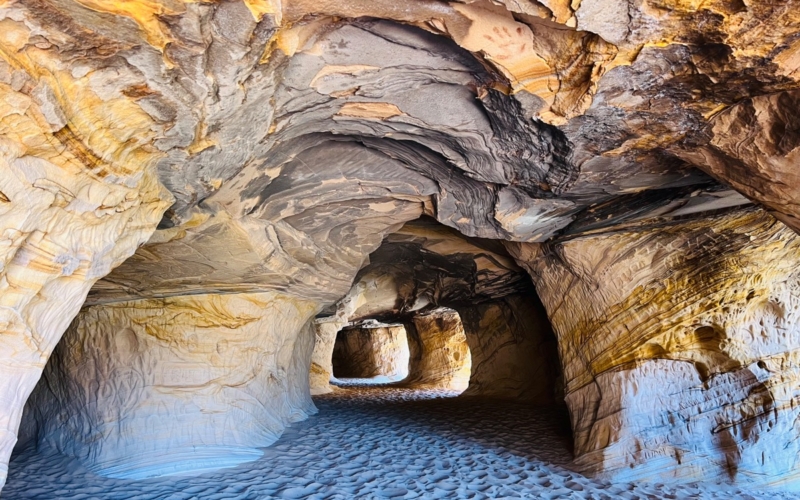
375 249
371 352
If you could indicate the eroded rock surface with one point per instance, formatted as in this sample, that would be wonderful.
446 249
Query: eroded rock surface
68 213
513 350
321 371
440 357
294 137
678 342
163 386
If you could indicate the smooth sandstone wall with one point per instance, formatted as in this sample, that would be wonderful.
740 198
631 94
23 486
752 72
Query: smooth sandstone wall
161 386
513 349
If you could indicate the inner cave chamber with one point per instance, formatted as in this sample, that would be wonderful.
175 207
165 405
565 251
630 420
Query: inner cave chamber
246 241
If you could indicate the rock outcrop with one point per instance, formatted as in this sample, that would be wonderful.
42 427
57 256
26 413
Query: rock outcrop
678 342
371 351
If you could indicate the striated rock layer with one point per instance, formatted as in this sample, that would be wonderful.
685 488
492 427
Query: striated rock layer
68 215
290 138
679 346
162 386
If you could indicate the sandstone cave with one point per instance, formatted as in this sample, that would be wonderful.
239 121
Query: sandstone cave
346 249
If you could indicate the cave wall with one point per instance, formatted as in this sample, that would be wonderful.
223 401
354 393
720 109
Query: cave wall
371 352
439 354
679 346
183 384
513 349
64 223
755 147
321 370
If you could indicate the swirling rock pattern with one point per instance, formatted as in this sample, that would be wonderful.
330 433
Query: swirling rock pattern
286 140
163 386
68 214
678 343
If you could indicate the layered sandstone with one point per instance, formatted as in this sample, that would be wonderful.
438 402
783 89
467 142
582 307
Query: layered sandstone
185 384
69 211
678 342
440 357
288 140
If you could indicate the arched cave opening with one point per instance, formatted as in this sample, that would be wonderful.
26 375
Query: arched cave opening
470 314
371 352
427 299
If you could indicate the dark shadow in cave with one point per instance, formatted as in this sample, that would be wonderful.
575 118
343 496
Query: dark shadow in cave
424 276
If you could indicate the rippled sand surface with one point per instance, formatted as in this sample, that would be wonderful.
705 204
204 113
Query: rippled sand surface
380 442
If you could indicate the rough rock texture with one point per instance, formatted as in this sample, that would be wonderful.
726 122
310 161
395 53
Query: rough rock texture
294 136
755 147
421 266
513 349
440 357
679 346
371 351
425 264
321 371
160 386
69 212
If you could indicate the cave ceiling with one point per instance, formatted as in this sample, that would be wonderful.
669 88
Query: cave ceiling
294 137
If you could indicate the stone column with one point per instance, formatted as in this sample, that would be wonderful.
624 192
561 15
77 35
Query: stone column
321 373
443 359
161 386
513 349
679 344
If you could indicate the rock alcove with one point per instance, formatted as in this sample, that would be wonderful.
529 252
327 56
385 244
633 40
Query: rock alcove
599 197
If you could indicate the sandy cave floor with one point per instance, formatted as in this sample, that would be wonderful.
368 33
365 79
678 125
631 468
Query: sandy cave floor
380 442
